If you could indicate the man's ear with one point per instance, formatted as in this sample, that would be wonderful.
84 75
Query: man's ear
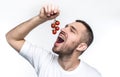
82 47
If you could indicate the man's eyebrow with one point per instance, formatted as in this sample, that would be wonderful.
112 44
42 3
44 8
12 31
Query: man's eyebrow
73 27
66 25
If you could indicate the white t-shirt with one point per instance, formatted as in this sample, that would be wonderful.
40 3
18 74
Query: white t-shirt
46 64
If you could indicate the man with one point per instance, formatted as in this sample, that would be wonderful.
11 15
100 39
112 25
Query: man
72 41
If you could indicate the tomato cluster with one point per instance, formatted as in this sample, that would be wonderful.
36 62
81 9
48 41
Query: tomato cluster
55 26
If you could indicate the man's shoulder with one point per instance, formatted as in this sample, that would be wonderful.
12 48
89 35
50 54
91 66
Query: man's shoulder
89 69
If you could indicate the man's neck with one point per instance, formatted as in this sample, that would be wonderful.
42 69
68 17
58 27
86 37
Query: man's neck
69 63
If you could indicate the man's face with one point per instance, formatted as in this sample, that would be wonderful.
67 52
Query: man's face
69 38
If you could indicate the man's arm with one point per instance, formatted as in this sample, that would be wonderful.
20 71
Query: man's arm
15 37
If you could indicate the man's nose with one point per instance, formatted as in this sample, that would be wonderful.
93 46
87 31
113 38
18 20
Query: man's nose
63 29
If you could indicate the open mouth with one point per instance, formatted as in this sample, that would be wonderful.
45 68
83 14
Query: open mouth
60 40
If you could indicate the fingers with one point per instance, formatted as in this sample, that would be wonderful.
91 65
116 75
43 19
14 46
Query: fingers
51 9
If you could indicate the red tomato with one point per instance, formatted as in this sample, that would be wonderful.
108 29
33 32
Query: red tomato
57 28
54 31
57 22
53 25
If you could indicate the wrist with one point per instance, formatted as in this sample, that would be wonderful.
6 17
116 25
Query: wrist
39 19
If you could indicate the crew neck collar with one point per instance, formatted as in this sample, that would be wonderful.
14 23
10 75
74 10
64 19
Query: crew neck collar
67 72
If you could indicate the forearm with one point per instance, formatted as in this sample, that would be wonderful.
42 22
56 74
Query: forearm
15 37
19 32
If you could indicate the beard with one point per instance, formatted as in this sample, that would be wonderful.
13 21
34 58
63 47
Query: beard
66 49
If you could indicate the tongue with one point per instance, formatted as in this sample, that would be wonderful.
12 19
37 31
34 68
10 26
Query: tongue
60 40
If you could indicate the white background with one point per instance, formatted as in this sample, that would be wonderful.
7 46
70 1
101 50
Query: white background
102 15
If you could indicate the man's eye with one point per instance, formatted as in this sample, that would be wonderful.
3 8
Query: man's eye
71 30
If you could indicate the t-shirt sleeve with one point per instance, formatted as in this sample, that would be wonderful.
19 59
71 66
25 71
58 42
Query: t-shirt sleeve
35 55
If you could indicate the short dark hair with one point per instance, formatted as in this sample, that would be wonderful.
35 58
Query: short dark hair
90 36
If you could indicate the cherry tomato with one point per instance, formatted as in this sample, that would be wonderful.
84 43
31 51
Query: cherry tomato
57 22
53 25
54 31
56 28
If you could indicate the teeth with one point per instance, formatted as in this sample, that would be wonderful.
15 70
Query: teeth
61 39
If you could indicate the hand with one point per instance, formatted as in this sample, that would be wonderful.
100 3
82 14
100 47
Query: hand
49 12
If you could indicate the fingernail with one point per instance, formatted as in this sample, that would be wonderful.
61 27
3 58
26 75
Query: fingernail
48 14
55 11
